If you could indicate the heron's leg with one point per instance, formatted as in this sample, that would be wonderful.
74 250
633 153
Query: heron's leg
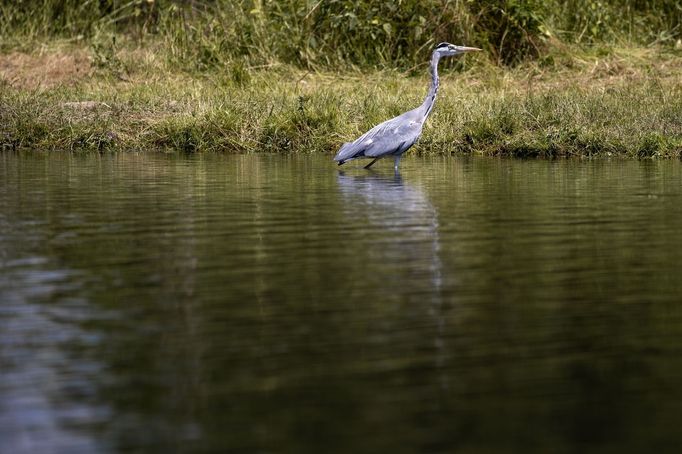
396 163
370 164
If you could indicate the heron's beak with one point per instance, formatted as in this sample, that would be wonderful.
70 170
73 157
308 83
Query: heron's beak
468 49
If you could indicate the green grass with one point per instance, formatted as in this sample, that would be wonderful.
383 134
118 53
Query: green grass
610 105
556 78
339 34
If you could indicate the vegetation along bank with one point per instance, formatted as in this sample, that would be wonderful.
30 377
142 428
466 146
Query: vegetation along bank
558 78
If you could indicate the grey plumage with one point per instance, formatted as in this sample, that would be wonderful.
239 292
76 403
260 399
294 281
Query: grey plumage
394 137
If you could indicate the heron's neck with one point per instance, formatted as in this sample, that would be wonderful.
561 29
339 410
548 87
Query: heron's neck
430 99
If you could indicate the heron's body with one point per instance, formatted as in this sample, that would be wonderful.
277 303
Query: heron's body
394 137
391 138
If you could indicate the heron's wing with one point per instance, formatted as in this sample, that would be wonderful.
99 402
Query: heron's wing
397 138
396 134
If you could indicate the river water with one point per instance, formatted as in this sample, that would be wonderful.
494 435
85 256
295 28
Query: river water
263 303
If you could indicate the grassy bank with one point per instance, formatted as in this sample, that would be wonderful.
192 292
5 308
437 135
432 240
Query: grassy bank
224 77
628 102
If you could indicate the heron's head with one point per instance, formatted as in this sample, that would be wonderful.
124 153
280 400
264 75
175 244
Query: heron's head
448 50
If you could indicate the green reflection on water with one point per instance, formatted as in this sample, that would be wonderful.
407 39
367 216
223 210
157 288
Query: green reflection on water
268 303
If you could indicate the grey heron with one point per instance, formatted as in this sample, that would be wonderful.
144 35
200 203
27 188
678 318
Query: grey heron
394 137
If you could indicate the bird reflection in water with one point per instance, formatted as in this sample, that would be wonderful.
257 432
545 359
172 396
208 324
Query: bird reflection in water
397 228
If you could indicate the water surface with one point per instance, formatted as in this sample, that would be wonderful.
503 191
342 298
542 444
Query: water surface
264 303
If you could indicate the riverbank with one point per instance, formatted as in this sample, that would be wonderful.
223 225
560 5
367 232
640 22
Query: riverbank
610 102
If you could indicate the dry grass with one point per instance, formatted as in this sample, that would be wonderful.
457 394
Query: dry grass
44 70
